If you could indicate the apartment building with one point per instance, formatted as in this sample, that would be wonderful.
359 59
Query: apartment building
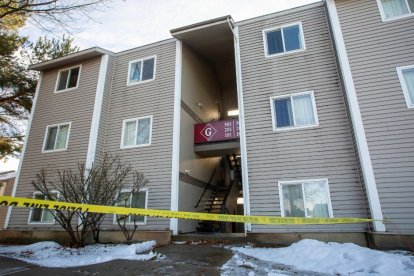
305 112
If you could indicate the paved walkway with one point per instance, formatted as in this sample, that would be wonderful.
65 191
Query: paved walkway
185 259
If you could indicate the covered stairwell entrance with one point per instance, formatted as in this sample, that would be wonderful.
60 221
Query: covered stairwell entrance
210 168
224 198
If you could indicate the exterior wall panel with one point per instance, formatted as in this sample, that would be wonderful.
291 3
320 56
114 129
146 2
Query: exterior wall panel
324 151
75 106
154 98
375 49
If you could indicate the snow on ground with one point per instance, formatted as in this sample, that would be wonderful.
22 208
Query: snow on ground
51 254
313 257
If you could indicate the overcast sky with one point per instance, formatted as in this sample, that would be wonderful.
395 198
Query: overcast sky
132 23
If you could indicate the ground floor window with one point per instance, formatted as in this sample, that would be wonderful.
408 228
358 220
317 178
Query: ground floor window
305 198
38 215
133 200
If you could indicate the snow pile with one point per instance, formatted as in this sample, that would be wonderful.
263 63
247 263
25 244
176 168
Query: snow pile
51 254
332 258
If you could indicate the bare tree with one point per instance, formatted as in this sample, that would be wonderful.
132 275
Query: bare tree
58 13
103 184
127 200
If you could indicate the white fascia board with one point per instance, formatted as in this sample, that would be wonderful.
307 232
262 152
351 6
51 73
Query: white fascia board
19 169
242 128
359 131
176 138
96 115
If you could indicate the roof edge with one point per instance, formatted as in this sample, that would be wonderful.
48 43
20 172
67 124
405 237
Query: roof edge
91 52
201 24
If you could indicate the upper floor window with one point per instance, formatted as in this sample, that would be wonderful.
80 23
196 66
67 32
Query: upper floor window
284 39
141 70
391 9
406 75
56 138
68 78
137 199
305 198
136 132
39 215
294 111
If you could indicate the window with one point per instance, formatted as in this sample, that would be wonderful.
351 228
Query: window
56 138
136 132
307 198
141 70
38 215
68 78
392 9
285 39
133 200
294 111
406 75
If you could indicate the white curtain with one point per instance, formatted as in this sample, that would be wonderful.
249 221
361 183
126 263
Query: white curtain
394 8
62 137
135 71
143 131
129 133
316 195
302 105
409 80
293 200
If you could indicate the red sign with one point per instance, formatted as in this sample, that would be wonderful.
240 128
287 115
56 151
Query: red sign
216 131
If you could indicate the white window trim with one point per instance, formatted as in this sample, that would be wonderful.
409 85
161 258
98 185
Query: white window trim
302 37
67 139
58 76
129 83
292 182
315 112
123 132
404 84
31 210
382 13
146 207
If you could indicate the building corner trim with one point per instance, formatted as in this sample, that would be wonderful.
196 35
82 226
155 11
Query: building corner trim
175 182
243 147
356 118
19 168
96 115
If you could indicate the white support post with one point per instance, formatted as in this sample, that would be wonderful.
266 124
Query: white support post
96 115
242 129
175 181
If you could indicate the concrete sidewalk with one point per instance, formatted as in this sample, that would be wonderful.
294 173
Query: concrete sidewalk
180 259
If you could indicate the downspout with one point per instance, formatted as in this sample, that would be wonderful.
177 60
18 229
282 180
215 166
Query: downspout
359 131
242 128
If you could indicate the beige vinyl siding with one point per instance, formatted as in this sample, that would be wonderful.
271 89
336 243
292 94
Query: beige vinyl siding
325 151
375 49
75 106
154 98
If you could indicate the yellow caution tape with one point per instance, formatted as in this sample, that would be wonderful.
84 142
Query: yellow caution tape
58 205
